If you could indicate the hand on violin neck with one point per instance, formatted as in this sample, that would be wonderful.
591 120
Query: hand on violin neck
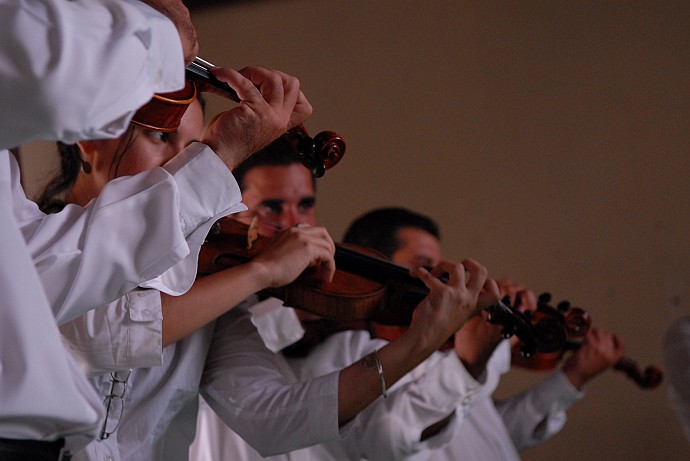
448 305
271 102
599 351
295 250
521 298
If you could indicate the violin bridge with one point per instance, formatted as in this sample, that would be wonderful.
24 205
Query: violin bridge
252 232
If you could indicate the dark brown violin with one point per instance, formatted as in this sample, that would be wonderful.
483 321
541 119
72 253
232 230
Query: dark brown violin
164 112
366 287
576 322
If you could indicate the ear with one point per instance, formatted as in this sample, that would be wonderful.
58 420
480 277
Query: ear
89 150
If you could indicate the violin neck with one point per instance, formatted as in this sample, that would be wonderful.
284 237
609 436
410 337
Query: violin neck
373 268
198 71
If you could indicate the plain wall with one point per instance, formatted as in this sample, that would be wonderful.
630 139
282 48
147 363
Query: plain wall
549 140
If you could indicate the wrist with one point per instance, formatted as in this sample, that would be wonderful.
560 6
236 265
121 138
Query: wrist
261 274
577 379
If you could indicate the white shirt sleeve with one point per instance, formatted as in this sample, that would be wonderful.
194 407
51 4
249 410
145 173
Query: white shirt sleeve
85 255
535 415
80 69
44 395
254 391
126 333
676 348
391 428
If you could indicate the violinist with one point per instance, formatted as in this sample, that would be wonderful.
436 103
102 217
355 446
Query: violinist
165 338
490 430
132 50
280 194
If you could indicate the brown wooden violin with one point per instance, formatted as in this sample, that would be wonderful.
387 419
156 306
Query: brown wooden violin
164 112
366 287
576 322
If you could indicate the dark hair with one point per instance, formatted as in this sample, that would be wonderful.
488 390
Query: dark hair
54 195
378 229
278 153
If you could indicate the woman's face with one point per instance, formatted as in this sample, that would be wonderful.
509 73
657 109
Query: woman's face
147 149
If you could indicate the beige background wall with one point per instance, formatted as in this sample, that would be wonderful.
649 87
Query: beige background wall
549 139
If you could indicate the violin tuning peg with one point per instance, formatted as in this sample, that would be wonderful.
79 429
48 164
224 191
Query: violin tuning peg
506 300
507 332
518 301
527 351
544 298
318 169
563 306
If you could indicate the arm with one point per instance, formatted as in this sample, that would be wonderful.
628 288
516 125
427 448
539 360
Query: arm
30 350
538 413
213 295
69 248
131 332
535 415
256 395
393 428
116 54
123 334
256 400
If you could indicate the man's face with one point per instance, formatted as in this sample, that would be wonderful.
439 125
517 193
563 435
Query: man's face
280 196
417 248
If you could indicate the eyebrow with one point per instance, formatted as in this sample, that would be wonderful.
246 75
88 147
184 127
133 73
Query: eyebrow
308 201
272 202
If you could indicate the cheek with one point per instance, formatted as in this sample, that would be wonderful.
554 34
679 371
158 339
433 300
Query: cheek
309 217
143 161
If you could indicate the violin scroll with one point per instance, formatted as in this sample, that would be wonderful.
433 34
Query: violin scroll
576 322
318 154
649 378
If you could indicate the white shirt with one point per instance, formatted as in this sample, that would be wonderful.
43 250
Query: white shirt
73 70
676 347
390 429
77 276
498 431
253 386
387 429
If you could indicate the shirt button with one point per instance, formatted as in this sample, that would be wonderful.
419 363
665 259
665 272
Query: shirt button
466 401
108 458
146 312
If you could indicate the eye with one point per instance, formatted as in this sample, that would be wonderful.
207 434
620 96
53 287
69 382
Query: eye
272 207
307 204
158 136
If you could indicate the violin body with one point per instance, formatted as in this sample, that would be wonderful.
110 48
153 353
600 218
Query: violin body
347 297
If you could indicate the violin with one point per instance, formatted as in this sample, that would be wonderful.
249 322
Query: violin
366 288
165 110
576 322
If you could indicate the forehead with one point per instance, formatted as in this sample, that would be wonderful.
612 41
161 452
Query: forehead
284 183
416 243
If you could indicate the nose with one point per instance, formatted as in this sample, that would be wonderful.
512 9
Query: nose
290 217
